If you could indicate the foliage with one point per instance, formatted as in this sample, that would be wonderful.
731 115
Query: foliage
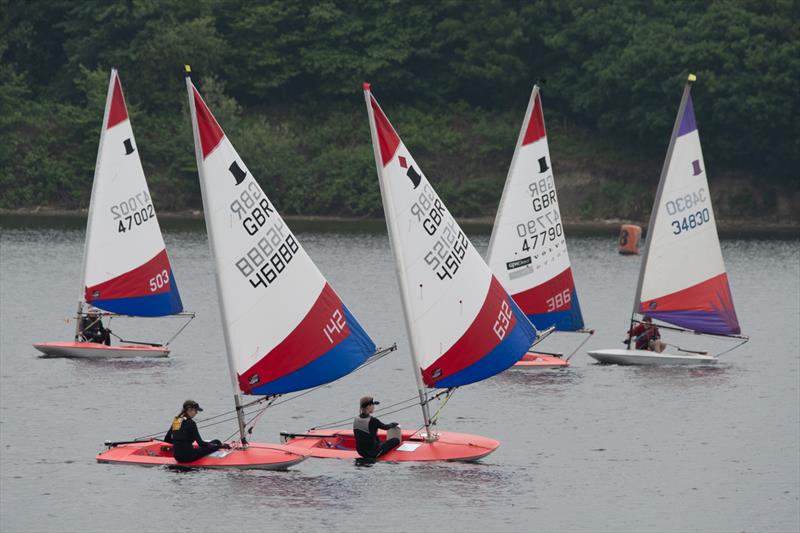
283 79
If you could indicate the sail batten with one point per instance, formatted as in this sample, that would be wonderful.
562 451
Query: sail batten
285 327
126 267
462 325
683 280
527 249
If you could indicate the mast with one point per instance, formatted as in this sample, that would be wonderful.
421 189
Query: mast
81 296
398 264
654 213
210 231
504 196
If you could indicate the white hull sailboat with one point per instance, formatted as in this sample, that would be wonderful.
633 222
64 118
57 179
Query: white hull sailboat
682 281
647 357
126 271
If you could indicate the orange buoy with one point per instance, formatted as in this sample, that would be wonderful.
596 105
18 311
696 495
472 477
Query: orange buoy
629 235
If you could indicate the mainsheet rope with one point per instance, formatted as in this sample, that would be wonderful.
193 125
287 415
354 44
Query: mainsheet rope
379 354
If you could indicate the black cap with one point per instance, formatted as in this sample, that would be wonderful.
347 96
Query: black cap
366 401
188 404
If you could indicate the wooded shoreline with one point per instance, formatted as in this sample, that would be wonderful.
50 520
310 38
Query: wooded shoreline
745 228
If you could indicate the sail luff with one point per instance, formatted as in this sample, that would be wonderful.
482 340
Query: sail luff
657 202
398 257
506 186
217 275
90 214
98 160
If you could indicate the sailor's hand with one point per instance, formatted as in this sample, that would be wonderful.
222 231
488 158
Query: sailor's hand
225 446
393 425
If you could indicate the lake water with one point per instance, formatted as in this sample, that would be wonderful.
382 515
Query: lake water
591 448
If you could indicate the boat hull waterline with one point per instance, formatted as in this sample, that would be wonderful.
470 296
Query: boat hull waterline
93 350
158 453
340 444
645 357
533 360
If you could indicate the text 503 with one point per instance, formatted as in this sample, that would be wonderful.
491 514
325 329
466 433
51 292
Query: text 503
159 281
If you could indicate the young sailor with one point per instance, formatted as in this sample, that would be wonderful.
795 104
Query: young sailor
92 329
183 433
646 335
365 429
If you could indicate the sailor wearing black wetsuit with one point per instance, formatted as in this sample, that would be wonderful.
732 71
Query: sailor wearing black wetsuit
92 329
365 430
183 433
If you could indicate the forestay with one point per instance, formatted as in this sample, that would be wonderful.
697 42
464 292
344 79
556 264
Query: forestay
285 327
683 279
462 324
527 249
126 268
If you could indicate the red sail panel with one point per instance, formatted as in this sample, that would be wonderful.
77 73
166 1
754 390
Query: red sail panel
210 132
118 111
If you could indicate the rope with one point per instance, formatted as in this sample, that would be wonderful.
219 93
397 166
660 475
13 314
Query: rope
379 354
179 331
744 341
589 336
435 417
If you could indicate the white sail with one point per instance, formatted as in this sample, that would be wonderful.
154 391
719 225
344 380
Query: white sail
462 324
683 279
126 268
285 327
527 250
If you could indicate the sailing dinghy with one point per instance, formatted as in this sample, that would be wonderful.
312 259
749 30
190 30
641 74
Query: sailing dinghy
126 270
285 328
682 280
528 249
462 325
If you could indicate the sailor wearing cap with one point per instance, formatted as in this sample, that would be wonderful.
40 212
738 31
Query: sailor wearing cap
92 329
365 430
182 434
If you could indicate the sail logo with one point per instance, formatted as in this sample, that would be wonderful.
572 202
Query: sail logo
696 170
412 173
543 165
511 265
129 149
238 174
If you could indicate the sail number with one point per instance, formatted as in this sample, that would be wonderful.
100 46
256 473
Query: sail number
335 325
694 220
559 300
132 212
536 239
450 247
159 281
265 261
448 251
686 202
503 322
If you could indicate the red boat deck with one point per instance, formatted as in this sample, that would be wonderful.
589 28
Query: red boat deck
340 444
159 453
533 359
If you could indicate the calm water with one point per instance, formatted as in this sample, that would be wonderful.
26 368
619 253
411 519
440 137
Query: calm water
587 449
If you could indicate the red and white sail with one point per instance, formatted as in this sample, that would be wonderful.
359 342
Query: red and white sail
462 324
285 327
527 249
683 279
126 269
